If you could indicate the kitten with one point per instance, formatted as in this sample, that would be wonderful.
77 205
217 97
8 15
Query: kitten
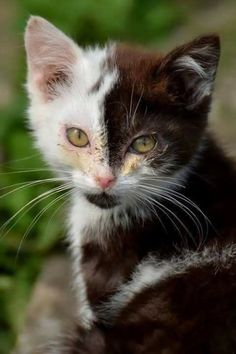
152 223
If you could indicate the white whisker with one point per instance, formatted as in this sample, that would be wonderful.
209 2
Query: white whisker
149 206
33 170
31 204
24 185
36 218
186 200
9 162
136 108
188 211
152 202
131 100
156 202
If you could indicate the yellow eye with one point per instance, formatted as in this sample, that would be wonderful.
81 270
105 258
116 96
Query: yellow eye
143 144
77 137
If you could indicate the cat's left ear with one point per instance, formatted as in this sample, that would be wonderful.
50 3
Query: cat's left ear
51 56
190 70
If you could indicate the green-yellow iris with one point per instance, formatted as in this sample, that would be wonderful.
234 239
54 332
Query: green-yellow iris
143 144
77 137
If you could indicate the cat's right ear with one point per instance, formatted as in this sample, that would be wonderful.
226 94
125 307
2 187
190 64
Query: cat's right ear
51 56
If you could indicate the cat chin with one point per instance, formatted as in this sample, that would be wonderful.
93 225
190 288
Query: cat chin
103 200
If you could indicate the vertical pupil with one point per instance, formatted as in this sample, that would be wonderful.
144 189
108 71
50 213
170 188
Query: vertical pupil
144 141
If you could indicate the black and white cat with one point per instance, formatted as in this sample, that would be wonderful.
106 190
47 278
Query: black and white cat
152 224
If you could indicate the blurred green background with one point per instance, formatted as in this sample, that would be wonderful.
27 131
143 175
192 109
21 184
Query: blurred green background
155 23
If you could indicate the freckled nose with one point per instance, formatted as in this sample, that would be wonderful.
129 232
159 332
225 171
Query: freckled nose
105 181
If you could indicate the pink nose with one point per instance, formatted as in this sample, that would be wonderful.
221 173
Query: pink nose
105 181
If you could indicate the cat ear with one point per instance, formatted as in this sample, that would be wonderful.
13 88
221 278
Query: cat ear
50 57
191 70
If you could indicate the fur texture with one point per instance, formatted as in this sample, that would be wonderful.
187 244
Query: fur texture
154 252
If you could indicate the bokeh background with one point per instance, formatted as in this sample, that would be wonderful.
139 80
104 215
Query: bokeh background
155 23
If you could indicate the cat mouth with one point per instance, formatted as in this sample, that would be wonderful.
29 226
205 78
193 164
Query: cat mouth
103 200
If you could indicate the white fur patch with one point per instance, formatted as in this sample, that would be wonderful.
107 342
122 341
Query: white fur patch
84 217
153 271
78 220
187 62
202 84
75 105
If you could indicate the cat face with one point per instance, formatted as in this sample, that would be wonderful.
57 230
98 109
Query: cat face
119 121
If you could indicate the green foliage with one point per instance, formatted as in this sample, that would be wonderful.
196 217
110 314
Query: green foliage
88 21
91 21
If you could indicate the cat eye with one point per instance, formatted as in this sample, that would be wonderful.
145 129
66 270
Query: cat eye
77 137
143 144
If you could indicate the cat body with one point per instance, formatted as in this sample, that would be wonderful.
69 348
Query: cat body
152 219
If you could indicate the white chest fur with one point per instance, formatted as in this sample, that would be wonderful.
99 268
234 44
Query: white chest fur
83 217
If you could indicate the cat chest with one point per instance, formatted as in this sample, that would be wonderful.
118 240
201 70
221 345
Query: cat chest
104 271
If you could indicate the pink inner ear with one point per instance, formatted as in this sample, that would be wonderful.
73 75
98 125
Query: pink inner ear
48 80
38 78
39 81
52 69
51 55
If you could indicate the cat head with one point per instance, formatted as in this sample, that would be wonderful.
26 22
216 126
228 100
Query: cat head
119 120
